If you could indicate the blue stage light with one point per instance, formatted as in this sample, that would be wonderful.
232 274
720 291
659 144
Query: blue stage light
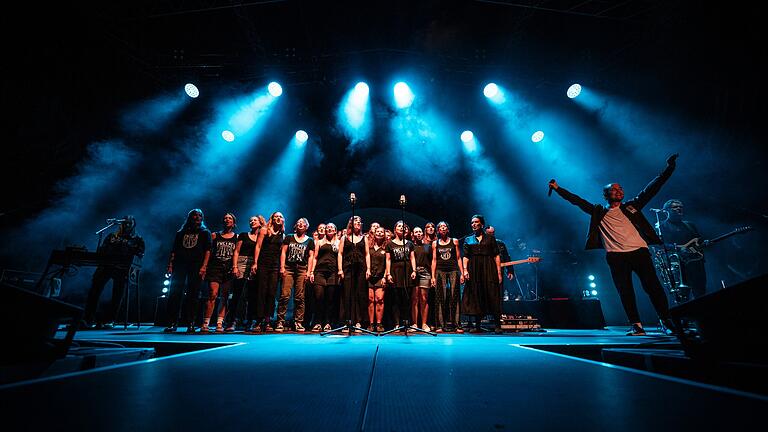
573 91
491 90
592 285
467 136
191 90
537 136
591 277
228 136
165 290
403 95
594 292
275 89
301 137
166 282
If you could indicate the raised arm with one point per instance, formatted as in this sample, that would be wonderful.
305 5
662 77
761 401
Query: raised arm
572 198
652 188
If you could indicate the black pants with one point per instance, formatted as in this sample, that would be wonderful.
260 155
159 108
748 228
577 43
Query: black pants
266 290
324 310
401 299
354 294
622 265
240 297
695 276
185 282
101 276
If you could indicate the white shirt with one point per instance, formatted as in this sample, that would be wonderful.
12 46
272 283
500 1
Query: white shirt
618 233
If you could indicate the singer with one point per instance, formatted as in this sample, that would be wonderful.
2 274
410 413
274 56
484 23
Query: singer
621 229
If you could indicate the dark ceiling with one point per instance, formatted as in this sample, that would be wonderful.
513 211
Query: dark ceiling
69 69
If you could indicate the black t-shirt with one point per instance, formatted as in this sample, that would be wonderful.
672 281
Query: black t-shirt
269 256
400 253
327 257
190 246
298 252
423 254
678 233
248 248
446 256
122 245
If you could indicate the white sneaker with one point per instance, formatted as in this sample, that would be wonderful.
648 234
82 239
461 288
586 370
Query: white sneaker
317 328
327 327
357 330
426 328
299 327
414 327
279 327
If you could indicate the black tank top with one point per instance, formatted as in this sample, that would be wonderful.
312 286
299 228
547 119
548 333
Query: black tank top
423 255
248 248
378 262
223 249
269 257
354 253
446 256
328 257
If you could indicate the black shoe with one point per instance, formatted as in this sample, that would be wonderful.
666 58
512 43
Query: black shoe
108 326
636 330
668 327
190 329
170 329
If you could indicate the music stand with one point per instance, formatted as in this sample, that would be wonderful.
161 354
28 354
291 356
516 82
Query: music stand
351 328
406 327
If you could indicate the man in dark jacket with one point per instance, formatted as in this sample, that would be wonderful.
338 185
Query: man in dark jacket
621 229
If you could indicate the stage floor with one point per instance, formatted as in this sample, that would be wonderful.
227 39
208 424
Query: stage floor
343 383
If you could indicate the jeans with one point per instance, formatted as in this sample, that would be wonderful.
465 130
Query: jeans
622 265
295 275
447 296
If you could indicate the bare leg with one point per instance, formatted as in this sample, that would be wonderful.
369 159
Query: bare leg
379 299
415 306
371 305
424 304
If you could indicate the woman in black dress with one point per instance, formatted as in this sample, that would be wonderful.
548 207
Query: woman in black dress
377 283
400 272
220 271
267 268
482 273
324 276
354 270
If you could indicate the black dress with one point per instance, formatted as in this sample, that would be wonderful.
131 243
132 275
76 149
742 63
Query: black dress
482 294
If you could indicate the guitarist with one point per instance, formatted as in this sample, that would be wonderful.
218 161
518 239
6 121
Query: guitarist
677 231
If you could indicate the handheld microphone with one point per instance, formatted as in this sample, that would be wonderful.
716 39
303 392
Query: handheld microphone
549 193
402 200
352 198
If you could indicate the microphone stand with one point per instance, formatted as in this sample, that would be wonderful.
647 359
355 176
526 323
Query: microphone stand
110 224
351 328
405 328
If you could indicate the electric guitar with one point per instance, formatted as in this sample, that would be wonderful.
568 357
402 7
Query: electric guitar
533 259
693 250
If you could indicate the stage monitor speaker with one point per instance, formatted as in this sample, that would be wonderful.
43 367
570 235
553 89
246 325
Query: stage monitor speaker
31 322
726 325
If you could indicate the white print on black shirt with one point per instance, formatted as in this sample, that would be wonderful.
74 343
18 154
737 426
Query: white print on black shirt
225 250
399 252
445 253
190 240
296 252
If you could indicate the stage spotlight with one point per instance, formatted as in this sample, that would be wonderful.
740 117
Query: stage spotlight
191 90
573 91
537 136
228 136
591 277
361 90
467 136
593 285
594 293
165 290
491 90
166 282
275 89
301 137
403 95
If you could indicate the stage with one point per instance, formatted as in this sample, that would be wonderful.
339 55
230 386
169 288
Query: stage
310 382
